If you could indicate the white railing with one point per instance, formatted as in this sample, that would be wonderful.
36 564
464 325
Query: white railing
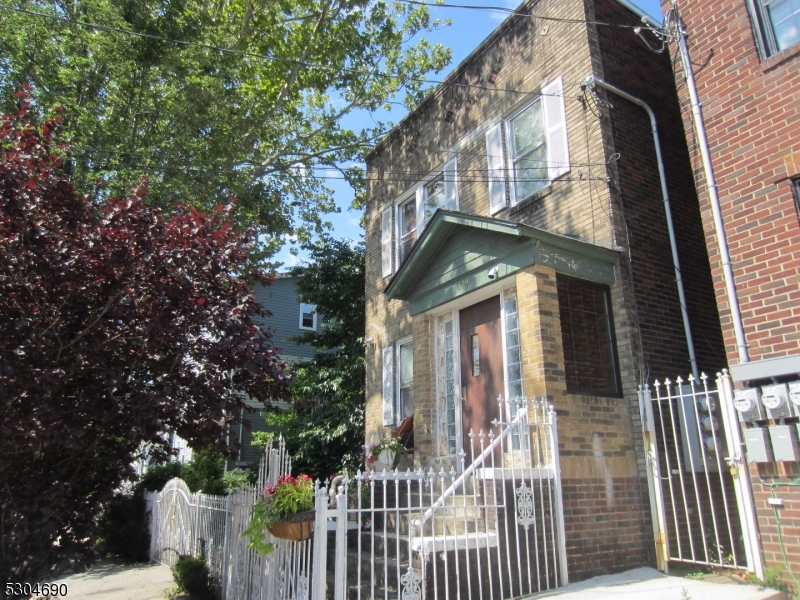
492 529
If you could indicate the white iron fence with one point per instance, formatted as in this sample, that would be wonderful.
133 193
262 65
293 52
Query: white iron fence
182 523
699 485
492 529
492 526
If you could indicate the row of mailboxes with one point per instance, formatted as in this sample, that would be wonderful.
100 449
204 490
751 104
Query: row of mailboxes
777 402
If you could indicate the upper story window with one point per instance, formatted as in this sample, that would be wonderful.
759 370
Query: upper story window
413 212
407 227
308 316
777 24
534 152
528 151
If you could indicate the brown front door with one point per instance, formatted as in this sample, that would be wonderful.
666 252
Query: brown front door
482 379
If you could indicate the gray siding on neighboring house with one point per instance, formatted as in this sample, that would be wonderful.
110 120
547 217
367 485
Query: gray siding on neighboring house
280 298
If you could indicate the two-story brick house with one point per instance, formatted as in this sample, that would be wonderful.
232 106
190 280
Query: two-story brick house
517 244
749 90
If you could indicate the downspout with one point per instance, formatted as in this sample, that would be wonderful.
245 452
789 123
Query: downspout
592 81
719 226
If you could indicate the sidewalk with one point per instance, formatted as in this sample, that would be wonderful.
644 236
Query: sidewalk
111 581
650 584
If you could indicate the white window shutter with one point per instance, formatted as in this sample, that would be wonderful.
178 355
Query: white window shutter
420 210
450 185
496 162
555 128
386 242
388 386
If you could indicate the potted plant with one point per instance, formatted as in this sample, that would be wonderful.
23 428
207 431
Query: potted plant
285 509
384 454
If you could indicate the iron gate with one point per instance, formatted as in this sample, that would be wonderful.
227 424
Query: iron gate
699 485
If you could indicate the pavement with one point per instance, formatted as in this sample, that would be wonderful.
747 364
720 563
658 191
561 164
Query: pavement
651 584
109 581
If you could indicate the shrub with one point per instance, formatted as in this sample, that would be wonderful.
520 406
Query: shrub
192 577
237 478
125 529
157 476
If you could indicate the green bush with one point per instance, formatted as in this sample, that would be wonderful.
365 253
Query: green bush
192 577
237 478
157 476
204 472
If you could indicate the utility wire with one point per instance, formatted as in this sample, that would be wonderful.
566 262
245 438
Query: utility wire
519 13
87 152
286 60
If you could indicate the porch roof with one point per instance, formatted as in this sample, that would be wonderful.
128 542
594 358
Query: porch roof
456 252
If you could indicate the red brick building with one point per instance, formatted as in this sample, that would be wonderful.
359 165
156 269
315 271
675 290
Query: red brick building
747 68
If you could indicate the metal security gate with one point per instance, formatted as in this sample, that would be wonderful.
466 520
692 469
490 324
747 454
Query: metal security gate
699 485
492 529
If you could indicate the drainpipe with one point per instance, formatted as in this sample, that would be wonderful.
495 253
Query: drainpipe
593 81
708 168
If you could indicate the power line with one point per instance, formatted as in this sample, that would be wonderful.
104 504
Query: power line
515 12
421 174
280 59
397 177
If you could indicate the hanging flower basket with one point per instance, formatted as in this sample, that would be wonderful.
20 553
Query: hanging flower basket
298 527
285 509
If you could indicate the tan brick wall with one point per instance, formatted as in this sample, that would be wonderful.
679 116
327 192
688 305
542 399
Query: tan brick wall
599 441
527 53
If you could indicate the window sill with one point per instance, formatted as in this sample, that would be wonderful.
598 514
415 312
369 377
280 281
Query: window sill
781 57
532 199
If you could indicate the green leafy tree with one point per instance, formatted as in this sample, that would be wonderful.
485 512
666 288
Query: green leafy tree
211 99
325 430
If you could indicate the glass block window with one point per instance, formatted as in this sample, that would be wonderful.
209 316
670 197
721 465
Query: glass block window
513 353
450 389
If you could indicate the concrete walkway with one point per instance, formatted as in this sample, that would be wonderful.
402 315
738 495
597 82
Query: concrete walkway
110 581
650 584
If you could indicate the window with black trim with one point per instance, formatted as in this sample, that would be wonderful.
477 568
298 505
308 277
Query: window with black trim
776 24
796 190
587 332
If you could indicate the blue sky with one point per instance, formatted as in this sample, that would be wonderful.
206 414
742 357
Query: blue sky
468 28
